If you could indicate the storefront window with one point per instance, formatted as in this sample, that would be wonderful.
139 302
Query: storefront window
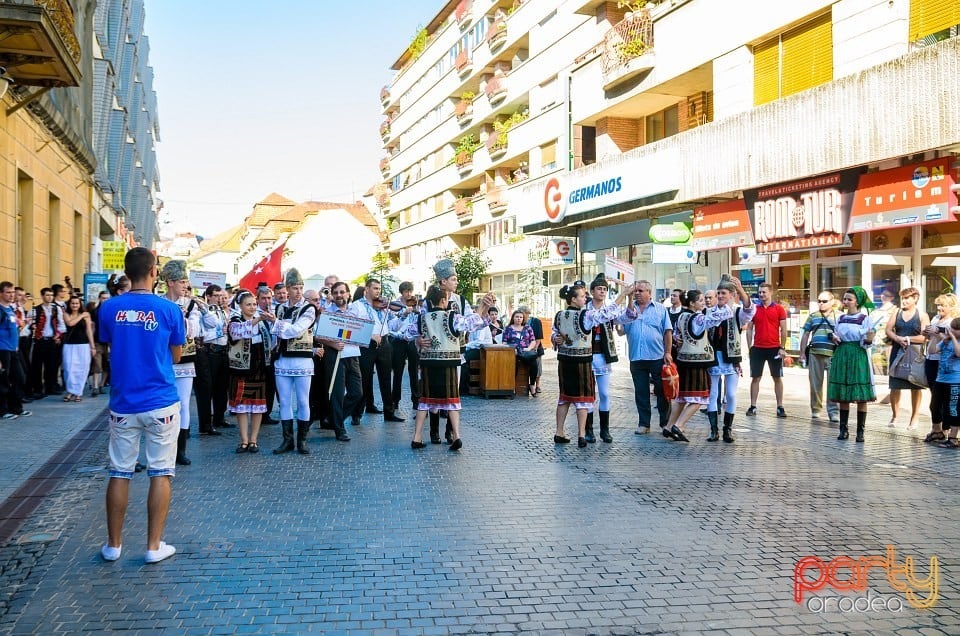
839 277
939 277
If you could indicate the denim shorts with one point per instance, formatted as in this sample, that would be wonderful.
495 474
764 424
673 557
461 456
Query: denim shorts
159 428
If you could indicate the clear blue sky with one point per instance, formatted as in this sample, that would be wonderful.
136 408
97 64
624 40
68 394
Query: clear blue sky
257 97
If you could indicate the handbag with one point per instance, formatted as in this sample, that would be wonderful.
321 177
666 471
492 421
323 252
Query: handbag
909 366
527 356
670 379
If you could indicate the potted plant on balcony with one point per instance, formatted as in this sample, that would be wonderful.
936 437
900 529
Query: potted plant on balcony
467 145
497 31
385 130
498 139
463 208
464 108
385 166
385 95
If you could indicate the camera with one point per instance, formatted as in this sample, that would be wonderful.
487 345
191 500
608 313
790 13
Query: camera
942 329
325 291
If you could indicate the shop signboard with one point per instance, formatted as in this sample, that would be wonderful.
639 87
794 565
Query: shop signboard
564 196
900 197
669 233
561 251
802 215
113 253
721 226
619 271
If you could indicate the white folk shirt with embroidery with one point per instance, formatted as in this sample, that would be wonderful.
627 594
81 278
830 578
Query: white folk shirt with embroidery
186 369
285 330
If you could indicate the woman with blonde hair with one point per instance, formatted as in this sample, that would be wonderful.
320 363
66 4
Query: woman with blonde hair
947 310
904 330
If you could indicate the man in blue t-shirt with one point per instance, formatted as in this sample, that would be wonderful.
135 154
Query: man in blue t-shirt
13 378
145 334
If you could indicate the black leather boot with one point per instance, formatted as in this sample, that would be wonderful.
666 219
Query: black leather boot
727 425
434 427
182 458
861 424
605 426
714 427
448 432
844 421
302 428
287 445
588 434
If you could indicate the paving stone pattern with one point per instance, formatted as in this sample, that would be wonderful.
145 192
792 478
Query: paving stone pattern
642 536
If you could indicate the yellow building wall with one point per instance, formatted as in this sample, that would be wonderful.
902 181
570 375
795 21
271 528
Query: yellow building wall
45 205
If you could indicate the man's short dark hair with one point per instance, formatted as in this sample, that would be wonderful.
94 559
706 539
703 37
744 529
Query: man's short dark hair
56 288
406 286
211 290
679 291
138 262
339 283
370 281
45 290
5 285
18 288
278 287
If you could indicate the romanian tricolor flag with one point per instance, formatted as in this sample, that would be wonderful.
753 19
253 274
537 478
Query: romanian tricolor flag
622 277
344 334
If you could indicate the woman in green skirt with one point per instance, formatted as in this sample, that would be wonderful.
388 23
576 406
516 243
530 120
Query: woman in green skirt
851 375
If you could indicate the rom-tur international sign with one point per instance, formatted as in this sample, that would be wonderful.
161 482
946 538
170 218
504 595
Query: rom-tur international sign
802 215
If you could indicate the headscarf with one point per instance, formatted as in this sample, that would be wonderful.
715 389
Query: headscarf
863 300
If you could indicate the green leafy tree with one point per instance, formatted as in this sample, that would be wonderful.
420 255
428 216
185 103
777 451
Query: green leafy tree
380 268
471 265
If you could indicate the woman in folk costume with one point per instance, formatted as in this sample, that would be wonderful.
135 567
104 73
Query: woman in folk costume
572 337
294 368
694 356
175 275
440 326
249 360
851 377
727 352
604 355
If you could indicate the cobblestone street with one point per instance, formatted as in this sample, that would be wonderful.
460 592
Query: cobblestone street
642 536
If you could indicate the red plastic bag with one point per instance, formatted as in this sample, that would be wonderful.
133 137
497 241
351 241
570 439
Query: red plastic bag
670 380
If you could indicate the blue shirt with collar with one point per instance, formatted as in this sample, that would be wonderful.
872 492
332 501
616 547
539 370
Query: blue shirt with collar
645 334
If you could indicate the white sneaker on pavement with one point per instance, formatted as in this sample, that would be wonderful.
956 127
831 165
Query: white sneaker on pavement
165 551
109 553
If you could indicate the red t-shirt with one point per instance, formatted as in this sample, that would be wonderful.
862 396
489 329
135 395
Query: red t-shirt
766 326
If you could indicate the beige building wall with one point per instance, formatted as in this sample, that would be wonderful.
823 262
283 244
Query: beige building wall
45 205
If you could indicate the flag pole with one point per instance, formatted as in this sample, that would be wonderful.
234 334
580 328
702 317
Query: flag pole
333 376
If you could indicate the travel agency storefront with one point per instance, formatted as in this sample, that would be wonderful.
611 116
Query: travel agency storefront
625 209
888 229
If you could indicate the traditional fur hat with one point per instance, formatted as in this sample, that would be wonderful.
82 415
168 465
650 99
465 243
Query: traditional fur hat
293 277
599 281
174 270
444 269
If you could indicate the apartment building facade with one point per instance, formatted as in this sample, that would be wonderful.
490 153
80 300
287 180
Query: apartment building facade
810 144
46 157
126 128
667 108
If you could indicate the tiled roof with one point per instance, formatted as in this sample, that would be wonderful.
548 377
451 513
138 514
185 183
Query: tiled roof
270 207
226 241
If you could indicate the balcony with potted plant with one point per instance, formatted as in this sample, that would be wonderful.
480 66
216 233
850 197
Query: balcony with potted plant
385 96
39 45
497 31
464 108
463 209
385 130
385 166
383 202
463 156
497 141
628 48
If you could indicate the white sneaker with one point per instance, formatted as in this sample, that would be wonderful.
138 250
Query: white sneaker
165 551
109 553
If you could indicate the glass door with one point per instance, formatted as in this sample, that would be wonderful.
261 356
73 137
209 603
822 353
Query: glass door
885 271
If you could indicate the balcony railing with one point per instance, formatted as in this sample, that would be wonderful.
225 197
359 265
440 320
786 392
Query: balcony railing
497 33
385 166
628 47
496 200
463 12
39 44
463 63
497 144
496 88
385 130
463 208
463 111
385 96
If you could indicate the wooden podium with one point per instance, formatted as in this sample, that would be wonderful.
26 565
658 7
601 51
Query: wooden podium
498 365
